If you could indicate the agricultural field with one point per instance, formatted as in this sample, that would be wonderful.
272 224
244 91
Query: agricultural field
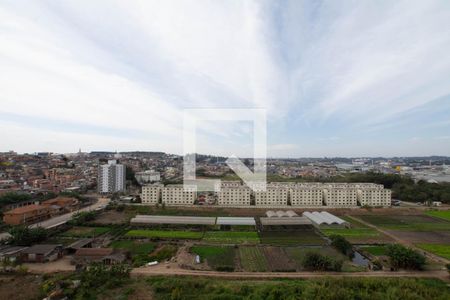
217 257
291 238
424 237
252 259
83 232
442 250
135 247
442 214
165 234
357 235
232 237
278 260
297 254
408 223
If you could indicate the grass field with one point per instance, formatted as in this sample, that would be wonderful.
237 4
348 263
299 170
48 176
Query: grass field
85 231
355 233
408 223
375 250
312 288
291 238
443 214
252 259
232 237
165 234
218 258
438 249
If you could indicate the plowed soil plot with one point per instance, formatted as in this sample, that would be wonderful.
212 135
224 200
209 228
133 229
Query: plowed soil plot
278 260
252 259
423 236
291 238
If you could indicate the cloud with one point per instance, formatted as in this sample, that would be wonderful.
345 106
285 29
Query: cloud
128 69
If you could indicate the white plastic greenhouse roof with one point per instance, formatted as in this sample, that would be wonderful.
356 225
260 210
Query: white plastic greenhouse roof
323 218
150 219
236 221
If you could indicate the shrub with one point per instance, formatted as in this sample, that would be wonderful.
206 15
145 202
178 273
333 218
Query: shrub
405 258
342 245
314 261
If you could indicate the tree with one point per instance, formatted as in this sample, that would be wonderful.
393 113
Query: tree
405 258
81 218
24 236
314 261
342 245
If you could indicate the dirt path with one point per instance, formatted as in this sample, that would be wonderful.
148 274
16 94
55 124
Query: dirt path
174 271
402 241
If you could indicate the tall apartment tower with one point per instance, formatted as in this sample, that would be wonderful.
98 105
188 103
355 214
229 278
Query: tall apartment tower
111 177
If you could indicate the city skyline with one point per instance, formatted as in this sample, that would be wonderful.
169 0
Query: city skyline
345 79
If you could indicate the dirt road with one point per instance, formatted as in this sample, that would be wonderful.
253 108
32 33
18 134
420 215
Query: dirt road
170 270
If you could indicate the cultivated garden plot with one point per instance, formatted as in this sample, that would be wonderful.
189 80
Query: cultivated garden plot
358 233
217 257
231 237
278 260
408 223
291 238
252 259
442 214
164 234
442 250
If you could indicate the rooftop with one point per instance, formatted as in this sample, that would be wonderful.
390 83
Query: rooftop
236 221
150 219
285 221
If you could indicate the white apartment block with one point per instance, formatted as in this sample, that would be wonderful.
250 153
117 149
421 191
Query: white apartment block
278 194
151 193
147 177
111 178
374 197
340 197
175 195
306 195
234 196
273 196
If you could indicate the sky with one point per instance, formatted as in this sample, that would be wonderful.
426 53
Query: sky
335 78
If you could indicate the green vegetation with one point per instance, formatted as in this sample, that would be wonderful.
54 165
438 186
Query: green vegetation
94 281
140 252
218 258
298 254
442 250
422 192
80 231
323 288
252 259
408 223
12 197
355 233
342 245
82 218
314 261
24 236
443 214
164 234
291 238
232 237
375 250
405 258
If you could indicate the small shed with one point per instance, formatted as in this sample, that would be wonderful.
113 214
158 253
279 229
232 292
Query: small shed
42 253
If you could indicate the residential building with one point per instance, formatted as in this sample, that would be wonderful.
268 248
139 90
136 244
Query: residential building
42 253
176 194
111 177
27 214
151 193
306 195
274 195
147 177
234 196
